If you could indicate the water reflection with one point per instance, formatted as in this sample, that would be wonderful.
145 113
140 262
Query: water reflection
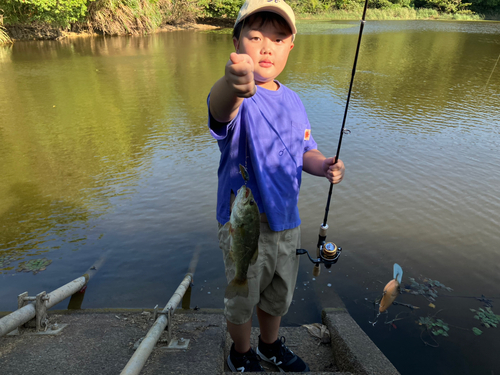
33 221
104 148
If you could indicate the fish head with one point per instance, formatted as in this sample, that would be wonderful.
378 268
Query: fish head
244 198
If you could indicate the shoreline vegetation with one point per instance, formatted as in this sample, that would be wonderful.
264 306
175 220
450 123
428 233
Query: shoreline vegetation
57 19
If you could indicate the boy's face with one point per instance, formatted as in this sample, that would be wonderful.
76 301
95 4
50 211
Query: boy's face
268 45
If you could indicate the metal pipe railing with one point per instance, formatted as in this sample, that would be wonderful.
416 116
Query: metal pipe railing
141 355
28 312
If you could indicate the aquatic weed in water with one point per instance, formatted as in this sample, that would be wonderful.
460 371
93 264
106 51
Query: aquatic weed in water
429 288
435 326
34 265
487 317
5 260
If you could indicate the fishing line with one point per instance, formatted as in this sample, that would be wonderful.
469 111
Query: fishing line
491 74
343 130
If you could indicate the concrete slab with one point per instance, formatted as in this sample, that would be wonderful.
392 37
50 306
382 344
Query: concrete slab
92 343
204 355
352 348
102 342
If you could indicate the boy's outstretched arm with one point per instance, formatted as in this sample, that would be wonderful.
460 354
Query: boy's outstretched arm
316 164
228 92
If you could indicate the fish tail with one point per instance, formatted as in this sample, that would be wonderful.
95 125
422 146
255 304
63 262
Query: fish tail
237 288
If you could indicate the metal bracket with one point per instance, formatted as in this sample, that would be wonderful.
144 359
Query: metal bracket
21 300
168 328
155 313
169 325
181 343
40 308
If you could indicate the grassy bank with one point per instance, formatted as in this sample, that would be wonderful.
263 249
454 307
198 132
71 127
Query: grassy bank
50 19
391 14
397 14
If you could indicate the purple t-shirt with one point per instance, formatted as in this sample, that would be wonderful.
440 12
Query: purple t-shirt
269 136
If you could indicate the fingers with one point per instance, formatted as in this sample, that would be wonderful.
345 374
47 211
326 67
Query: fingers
335 172
237 58
239 75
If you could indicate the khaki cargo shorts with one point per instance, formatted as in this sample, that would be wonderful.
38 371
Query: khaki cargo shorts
271 280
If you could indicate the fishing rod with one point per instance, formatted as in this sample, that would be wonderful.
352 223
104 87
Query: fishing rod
329 253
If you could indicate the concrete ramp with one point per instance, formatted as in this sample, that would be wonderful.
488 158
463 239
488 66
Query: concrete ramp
102 342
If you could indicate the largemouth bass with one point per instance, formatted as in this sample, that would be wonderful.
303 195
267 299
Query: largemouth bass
244 228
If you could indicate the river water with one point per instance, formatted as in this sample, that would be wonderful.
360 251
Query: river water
104 151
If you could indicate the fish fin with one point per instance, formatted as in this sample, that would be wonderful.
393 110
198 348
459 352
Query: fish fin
228 227
237 288
398 273
254 257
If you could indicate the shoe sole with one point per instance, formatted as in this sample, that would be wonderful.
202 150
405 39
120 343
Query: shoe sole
264 358
230 364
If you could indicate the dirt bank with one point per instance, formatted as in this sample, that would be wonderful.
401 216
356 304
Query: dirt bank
46 32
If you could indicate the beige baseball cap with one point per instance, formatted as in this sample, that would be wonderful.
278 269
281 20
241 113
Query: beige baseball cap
276 6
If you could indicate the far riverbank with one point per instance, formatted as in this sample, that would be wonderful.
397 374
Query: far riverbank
48 32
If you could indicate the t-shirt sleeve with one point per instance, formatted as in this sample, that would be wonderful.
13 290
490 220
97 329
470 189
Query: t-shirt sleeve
219 130
309 142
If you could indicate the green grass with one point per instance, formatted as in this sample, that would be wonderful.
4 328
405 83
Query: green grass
391 14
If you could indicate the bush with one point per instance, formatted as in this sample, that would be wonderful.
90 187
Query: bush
448 6
118 17
179 11
53 12
221 8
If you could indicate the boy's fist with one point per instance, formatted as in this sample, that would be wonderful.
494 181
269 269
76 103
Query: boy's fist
333 172
239 75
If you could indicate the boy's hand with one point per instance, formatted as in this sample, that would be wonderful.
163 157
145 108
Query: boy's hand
239 75
333 172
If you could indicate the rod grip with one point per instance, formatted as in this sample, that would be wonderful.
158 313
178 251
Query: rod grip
316 270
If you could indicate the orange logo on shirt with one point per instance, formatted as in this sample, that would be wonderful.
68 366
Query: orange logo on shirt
307 134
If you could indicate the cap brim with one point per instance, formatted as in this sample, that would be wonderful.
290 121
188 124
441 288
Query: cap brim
276 10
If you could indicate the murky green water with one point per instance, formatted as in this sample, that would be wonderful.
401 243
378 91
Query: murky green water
104 151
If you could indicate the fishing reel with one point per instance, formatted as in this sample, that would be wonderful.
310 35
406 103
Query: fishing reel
329 254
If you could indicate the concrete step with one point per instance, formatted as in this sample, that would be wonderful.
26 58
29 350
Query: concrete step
317 355
102 342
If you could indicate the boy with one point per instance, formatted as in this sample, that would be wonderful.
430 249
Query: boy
261 124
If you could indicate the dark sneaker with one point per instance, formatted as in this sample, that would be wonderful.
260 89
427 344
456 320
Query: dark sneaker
278 354
248 362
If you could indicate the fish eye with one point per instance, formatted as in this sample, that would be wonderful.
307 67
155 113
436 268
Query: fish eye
252 202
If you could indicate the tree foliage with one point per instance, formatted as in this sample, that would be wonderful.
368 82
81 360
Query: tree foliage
221 8
53 12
